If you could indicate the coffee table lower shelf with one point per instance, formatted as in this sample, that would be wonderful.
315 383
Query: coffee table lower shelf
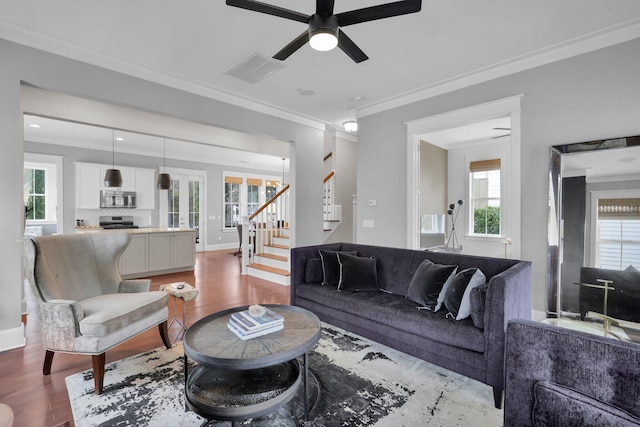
234 395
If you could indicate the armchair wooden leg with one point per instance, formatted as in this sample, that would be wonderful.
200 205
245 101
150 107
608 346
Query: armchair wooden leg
48 359
98 371
497 397
164 334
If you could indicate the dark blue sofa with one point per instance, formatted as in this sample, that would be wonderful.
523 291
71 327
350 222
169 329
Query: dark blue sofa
386 316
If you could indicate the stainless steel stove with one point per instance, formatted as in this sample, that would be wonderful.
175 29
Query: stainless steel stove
116 222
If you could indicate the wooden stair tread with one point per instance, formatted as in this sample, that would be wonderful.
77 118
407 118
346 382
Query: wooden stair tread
273 270
281 237
275 257
273 245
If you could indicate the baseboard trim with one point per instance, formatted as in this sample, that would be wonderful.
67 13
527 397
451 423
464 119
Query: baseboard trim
12 338
221 246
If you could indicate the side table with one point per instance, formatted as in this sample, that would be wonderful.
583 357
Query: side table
184 292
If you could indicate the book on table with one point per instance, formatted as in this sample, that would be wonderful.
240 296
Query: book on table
247 323
249 335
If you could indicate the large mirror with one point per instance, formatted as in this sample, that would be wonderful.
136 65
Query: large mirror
594 235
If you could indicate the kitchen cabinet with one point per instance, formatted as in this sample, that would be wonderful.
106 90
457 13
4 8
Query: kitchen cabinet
135 258
90 180
88 186
145 188
157 251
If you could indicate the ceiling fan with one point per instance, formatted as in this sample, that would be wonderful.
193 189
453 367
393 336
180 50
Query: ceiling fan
324 31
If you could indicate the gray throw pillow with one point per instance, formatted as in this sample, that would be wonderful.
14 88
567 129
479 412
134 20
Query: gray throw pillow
631 269
331 267
458 297
427 282
357 273
478 298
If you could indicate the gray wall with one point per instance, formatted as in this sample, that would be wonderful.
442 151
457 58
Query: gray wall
588 97
54 73
433 179
344 159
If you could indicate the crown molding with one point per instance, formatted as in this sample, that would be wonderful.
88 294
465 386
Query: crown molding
59 46
587 43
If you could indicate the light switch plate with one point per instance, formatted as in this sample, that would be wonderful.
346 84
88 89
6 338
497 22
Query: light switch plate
367 223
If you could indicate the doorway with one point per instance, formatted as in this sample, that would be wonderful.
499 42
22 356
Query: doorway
508 107
184 205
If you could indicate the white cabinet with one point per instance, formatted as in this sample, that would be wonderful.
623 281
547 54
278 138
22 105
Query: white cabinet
90 180
88 186
158 252
145 188
183 246
135 258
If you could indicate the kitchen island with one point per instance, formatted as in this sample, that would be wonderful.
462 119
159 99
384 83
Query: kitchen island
155 251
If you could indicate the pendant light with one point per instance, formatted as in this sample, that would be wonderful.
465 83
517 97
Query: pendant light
164 179
113 177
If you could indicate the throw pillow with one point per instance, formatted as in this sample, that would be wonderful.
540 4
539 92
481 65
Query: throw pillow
444 290
331 267
428 281
631 269
478 297
313 271
458 297
357 273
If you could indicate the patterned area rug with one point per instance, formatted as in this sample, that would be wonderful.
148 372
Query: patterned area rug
361 383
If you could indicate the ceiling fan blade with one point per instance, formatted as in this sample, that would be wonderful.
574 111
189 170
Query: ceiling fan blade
379 12
324 6
257 6
289 49
350 48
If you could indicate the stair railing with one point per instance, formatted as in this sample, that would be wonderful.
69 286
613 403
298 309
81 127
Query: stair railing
329 197
263 225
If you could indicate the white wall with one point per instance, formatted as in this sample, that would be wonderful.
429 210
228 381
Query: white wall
54 73
588 97
343 162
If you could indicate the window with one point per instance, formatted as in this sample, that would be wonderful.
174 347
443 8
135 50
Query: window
39 184
244 194
232 201
253 195
485 191
618 233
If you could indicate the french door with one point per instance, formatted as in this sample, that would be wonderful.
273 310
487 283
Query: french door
184 205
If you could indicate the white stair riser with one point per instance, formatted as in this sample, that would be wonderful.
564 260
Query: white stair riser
285 232
276 251
280 241
266 275
283 265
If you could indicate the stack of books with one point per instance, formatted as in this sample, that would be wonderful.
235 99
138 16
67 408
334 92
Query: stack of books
246 326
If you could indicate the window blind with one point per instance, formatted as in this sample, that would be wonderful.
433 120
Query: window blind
484 165
232 180
254 181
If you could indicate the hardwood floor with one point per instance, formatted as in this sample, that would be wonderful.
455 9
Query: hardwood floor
39 400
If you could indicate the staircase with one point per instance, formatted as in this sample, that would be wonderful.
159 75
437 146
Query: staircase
265 249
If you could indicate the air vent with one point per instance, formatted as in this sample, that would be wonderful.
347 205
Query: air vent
254 68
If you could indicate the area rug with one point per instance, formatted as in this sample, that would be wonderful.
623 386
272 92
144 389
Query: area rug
361 383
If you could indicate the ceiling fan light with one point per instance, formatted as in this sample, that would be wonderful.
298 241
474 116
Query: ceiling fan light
323 41
113 178
350 126
323 32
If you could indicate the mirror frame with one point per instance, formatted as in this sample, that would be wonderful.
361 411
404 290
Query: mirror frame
554 241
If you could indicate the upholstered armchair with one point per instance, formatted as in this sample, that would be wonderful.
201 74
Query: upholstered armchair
556 376
83 304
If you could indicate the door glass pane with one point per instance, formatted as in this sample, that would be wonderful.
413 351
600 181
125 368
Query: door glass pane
194 207
173 220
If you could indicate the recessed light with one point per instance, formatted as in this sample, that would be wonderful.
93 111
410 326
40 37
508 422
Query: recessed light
119 138
305 92
34 125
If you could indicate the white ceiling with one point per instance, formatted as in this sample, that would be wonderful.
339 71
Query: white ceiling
603 165
60 132
190 45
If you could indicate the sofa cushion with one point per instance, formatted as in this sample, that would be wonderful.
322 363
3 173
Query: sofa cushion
398 312
458 299
331 267
357 273
105 314
559 406
428 281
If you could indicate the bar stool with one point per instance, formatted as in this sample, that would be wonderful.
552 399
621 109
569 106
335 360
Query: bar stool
184 292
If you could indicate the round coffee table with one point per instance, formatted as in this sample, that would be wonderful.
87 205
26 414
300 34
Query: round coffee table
235 379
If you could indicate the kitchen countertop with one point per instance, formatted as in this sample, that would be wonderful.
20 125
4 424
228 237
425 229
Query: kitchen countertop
141 230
